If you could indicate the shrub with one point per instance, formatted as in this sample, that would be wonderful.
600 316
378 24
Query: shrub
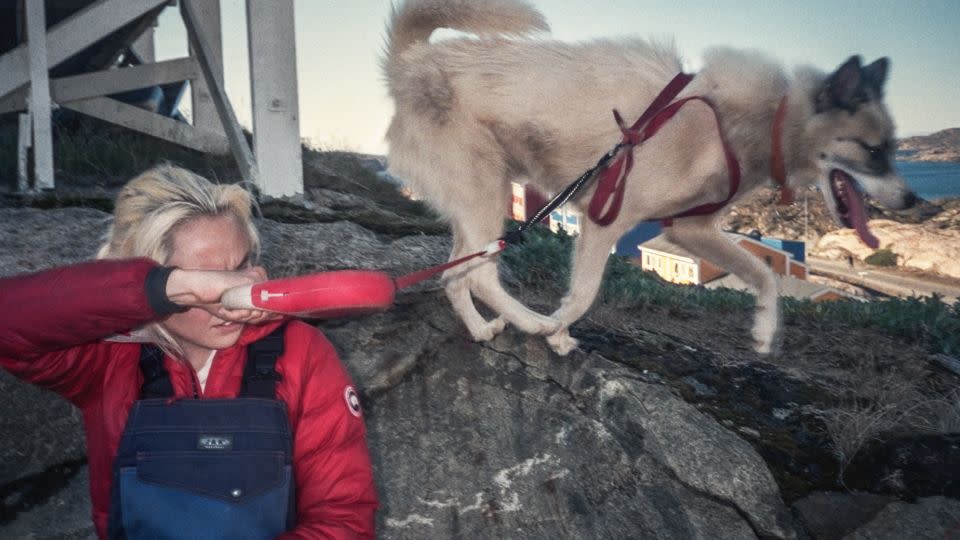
882 257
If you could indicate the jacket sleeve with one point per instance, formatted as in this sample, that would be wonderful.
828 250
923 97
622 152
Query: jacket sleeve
336 495
51 321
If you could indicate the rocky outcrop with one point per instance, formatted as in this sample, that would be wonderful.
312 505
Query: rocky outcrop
640 433
921 248
927 236
933 518
809 218
941 146
505 439
482 440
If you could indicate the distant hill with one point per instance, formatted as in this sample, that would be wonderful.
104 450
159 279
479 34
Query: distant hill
940 146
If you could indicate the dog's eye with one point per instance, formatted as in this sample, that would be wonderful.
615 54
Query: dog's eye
874 151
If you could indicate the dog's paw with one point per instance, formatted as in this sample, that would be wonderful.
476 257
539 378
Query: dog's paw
489 330
766 333
562 343
768 345
765 349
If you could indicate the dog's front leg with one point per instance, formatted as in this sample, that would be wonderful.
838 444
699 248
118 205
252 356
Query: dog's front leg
591 251
702 237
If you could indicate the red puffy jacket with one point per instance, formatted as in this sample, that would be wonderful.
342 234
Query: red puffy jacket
52 326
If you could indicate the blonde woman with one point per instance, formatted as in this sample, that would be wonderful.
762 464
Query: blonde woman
201 422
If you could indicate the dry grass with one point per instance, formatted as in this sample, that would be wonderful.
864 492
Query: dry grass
880 402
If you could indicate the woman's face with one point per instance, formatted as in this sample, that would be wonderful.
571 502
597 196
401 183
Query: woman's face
206 243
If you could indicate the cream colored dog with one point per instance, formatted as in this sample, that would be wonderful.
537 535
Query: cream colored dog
474 113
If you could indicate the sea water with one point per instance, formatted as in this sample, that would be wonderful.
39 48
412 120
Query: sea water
931 180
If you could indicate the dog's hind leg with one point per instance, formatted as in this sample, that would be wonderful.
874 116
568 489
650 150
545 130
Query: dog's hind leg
702 237
486 284
480 279
591 251
457 282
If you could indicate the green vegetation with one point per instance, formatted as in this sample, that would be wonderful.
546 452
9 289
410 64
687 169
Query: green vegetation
86 147
882 257
543 263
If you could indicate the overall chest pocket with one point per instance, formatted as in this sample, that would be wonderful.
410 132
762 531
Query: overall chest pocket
206 495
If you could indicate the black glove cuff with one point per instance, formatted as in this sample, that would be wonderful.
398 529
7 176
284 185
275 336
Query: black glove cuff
156 289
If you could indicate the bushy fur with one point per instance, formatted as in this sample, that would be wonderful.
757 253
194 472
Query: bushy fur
474 113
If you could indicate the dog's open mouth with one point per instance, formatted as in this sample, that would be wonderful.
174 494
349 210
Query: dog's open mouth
850 207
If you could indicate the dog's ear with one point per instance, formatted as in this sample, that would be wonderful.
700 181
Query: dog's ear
841 87
874 77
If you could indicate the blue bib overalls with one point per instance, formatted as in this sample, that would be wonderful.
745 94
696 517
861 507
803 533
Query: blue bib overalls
217 468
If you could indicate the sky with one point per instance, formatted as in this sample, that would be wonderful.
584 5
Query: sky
344 103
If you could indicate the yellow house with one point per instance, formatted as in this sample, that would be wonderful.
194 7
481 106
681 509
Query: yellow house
676 264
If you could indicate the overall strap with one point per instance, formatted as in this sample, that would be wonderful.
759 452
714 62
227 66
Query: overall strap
259 374
156 380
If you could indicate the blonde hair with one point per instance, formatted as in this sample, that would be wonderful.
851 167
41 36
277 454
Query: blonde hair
151 207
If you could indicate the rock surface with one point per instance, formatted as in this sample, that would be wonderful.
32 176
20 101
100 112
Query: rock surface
507 440
495 440
933 518
921 248
503 439
941 146
927 236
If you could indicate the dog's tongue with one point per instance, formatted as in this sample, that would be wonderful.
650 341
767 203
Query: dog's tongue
856 213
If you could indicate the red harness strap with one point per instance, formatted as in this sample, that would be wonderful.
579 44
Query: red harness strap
778 167
614 176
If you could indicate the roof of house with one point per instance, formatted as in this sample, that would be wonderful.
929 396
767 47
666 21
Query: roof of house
660 243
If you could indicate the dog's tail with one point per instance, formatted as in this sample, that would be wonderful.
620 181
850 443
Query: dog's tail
414 20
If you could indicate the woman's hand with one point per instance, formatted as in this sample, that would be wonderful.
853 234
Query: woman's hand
203 289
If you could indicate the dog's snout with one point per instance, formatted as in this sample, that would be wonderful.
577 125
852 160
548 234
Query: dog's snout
910 200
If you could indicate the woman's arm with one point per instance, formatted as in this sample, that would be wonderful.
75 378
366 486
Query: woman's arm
51 322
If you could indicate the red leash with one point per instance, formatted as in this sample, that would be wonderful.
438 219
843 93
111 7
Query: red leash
403 282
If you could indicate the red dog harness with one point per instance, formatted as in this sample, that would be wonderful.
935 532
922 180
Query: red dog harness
613 176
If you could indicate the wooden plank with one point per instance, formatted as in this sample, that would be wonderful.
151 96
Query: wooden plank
24 136
238 143
204 110
147 122
101 83
144 46
40 96
273 81
72 35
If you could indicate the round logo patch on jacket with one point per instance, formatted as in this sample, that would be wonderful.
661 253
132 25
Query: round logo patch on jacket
353 401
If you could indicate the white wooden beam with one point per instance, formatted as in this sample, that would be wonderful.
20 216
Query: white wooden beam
135 118
112 81
273 82
207 21
71 36
238 143
40 95
24 136
144 46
